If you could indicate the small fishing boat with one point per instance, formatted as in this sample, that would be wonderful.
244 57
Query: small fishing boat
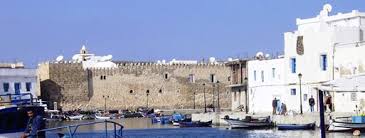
101 117
343 124
196 124
309 126
75 117
249 122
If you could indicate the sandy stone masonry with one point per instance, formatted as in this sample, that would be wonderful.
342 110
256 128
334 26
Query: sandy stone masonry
169 86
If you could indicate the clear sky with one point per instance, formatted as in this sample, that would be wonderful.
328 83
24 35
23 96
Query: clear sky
33 31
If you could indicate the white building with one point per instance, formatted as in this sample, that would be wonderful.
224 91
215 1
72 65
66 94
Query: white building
266 82
310 49
18 81
323 48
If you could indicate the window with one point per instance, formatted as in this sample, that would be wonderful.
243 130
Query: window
262 76
323 62
160 91
254 75
293 65
273 72
166 76
102 77
305 97
353 96
28 86
17 87
212 78
130 91
6 87
229 78
191 78
293 91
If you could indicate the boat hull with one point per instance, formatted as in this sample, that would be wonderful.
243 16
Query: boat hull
310 126
235 123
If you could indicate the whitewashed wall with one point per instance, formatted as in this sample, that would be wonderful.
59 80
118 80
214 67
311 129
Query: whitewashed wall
22 76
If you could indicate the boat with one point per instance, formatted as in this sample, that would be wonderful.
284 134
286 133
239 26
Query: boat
309 126
100 117
249 122
75 117
343 124
54 115
196 124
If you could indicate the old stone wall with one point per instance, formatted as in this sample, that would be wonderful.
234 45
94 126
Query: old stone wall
169 86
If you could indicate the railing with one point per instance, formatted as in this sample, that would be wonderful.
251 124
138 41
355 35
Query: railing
72 129
17 98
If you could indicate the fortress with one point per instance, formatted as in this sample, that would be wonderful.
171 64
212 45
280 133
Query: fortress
88 81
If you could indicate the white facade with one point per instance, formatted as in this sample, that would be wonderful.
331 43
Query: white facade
265 82
324 38
322 48
18 81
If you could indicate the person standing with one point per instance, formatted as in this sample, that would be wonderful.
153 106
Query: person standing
278 107
35 123
311 103
274 105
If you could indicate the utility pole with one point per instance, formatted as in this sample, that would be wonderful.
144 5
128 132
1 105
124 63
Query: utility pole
205 101
300 91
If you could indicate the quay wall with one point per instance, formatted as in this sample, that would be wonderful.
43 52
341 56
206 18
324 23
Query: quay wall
169 86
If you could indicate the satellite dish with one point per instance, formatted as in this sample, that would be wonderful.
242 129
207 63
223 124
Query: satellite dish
259 54
212 60
267 55
59 58
107 58
75 57
327 7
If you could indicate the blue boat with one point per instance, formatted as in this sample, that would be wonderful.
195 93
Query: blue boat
309 126
196 124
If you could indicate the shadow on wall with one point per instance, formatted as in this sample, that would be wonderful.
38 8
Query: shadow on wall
51 92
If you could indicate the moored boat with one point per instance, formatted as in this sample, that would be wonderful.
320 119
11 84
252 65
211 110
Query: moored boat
100 117
249 122
309 126
342 124
196 124
75 117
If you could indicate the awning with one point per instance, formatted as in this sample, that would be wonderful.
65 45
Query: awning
345 84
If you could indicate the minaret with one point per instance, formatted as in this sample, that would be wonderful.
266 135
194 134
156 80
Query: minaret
83 50
83 53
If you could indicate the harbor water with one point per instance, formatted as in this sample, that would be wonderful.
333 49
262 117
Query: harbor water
143 128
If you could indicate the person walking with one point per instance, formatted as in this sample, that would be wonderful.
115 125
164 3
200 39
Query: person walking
35 123
274 105
311 103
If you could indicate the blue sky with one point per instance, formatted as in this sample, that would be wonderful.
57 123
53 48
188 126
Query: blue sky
40 30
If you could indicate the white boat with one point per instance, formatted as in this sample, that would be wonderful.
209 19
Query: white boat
76 117
337 125
175 123
99 117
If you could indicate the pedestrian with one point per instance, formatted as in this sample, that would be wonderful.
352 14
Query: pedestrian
283 108
35 123
329 103
311 103
278 107
274 105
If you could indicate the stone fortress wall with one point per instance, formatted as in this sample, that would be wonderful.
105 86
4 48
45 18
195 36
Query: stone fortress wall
169 86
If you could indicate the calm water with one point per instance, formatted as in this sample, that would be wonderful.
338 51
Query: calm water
143 128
